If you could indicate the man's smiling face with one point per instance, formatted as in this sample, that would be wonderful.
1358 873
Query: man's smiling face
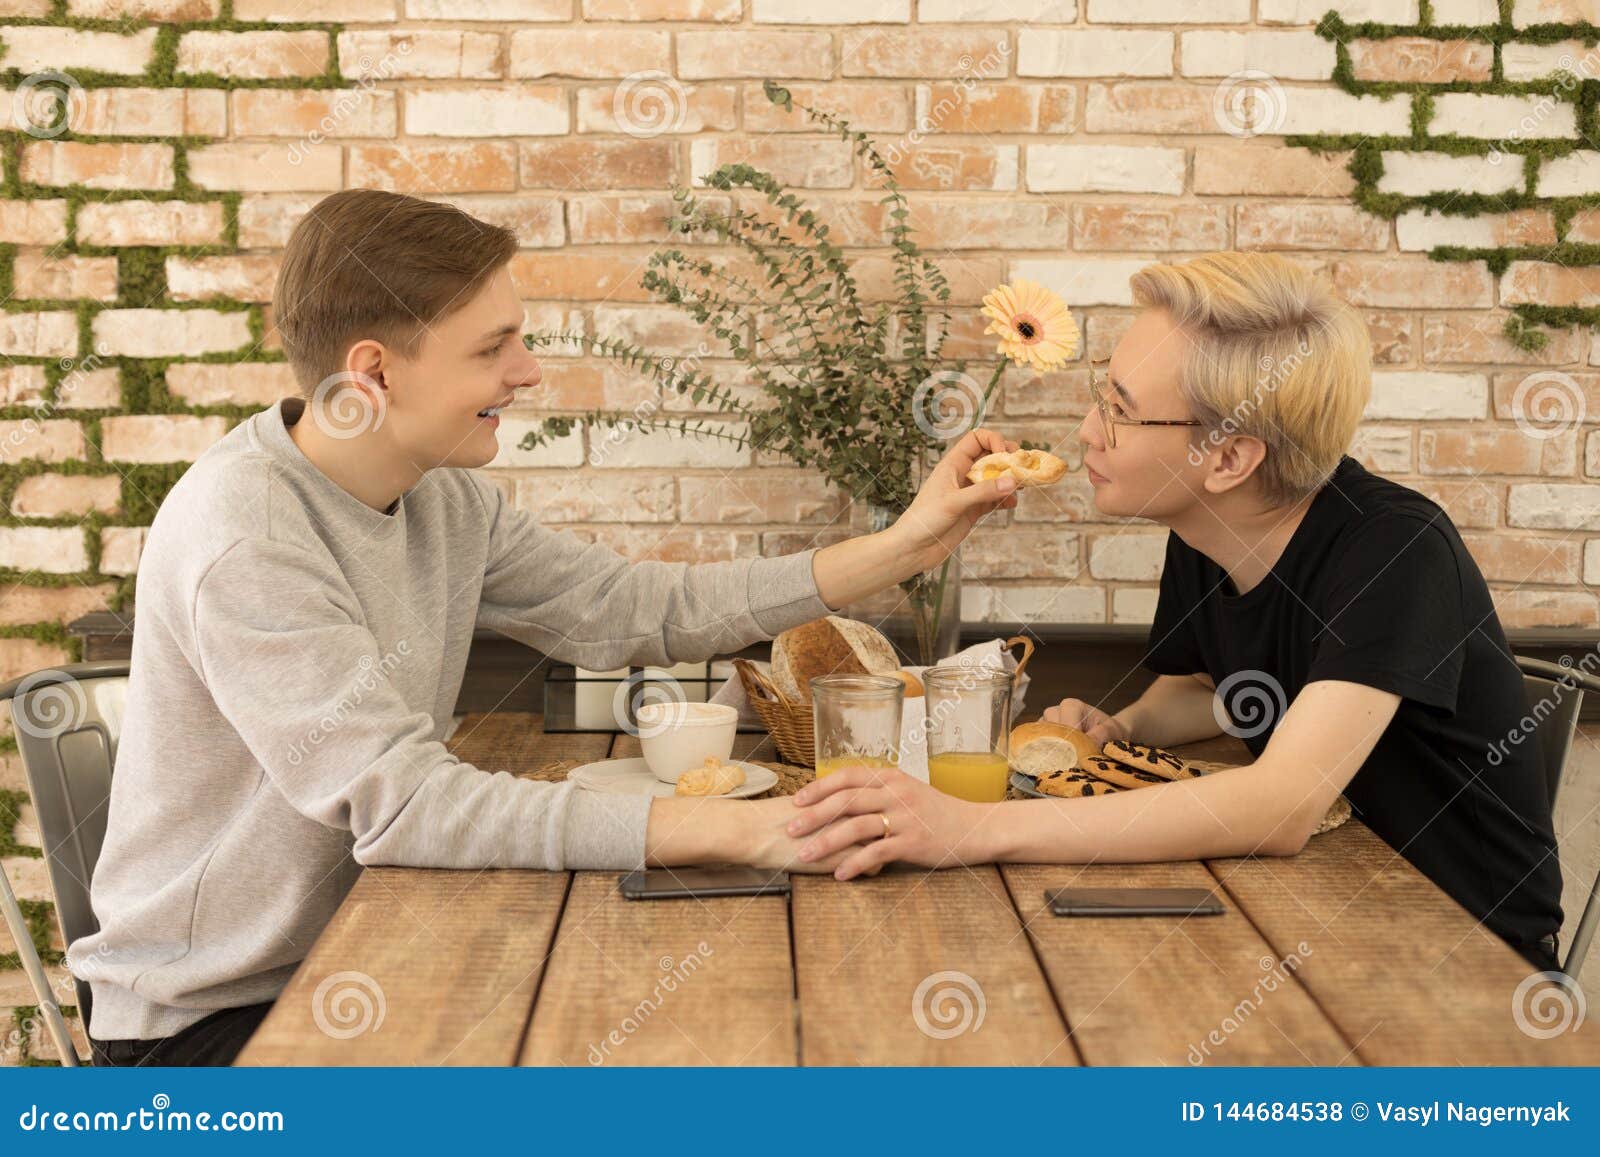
442 404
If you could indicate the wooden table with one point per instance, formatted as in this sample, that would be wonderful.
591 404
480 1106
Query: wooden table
1342 955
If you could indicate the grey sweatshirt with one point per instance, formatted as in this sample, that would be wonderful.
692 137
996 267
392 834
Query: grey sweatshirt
296 659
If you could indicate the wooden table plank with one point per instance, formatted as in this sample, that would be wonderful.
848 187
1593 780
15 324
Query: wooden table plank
452 958
895 970
1165 990
1406 973
665 982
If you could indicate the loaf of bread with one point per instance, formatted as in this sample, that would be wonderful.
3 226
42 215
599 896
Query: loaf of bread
828 646
1028 467
1038 748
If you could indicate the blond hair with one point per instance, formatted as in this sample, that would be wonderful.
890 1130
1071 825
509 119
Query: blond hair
364 263
1274 355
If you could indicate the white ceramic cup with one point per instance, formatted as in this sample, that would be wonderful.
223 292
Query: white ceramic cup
677 736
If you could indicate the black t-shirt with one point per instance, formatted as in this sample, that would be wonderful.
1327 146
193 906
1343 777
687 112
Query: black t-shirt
1376 587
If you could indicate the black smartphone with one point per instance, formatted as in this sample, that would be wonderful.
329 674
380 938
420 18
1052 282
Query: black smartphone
1134 902
687 883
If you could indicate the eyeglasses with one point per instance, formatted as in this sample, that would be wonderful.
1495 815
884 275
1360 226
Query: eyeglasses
1099 373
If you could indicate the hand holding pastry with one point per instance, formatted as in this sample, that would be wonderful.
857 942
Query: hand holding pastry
1028 467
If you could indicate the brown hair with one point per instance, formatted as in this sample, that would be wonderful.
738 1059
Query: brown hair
363 263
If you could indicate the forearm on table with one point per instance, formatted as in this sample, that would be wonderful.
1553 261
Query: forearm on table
1251 810
858 567
1174 709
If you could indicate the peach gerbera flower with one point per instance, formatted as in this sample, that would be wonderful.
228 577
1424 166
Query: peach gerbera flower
1035 326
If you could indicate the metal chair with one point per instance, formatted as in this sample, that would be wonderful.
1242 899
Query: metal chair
1555 695
67 722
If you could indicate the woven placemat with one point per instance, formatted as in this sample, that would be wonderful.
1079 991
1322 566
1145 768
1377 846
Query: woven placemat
790 778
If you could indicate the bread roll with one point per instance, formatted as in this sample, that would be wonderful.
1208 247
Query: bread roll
828 646
1028 467
1038 748
914 689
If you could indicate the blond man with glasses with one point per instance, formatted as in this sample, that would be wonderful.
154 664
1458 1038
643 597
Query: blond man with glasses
1330 618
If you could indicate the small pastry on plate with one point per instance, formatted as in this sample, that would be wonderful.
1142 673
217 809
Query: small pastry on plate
1028 467
1040 747
1072 784
1155 760
715 778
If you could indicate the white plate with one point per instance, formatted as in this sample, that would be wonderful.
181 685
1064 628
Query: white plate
632 777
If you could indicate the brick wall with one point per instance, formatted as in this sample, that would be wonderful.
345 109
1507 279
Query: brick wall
1070 142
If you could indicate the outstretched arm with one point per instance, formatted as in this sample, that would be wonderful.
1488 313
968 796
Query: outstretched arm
1268 807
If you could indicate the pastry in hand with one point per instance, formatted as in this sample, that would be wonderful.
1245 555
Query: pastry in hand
1155 760
1028 467
715 778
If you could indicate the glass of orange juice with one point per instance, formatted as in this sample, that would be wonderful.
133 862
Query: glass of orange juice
857 721
968 728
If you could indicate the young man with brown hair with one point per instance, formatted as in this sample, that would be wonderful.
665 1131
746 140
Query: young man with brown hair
307 596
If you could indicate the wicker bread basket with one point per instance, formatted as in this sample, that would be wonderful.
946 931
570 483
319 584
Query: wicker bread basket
791 724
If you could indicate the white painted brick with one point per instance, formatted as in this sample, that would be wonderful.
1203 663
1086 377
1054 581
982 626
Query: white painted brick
1554 506
1527 13
830 11
1168 11
1403 394
1538 61
1591 562
1083 282
1071 52
666 449
1386 449
1574 175
1500 117
1031 604
1417 229
1286 55
565 451
49 440
1128 555
120 548
1134 604
1447 12
1311 11
159 437
38 49
1104 169
1328 110
504 110
152 333
1415 174
42 334
996 11
50 549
